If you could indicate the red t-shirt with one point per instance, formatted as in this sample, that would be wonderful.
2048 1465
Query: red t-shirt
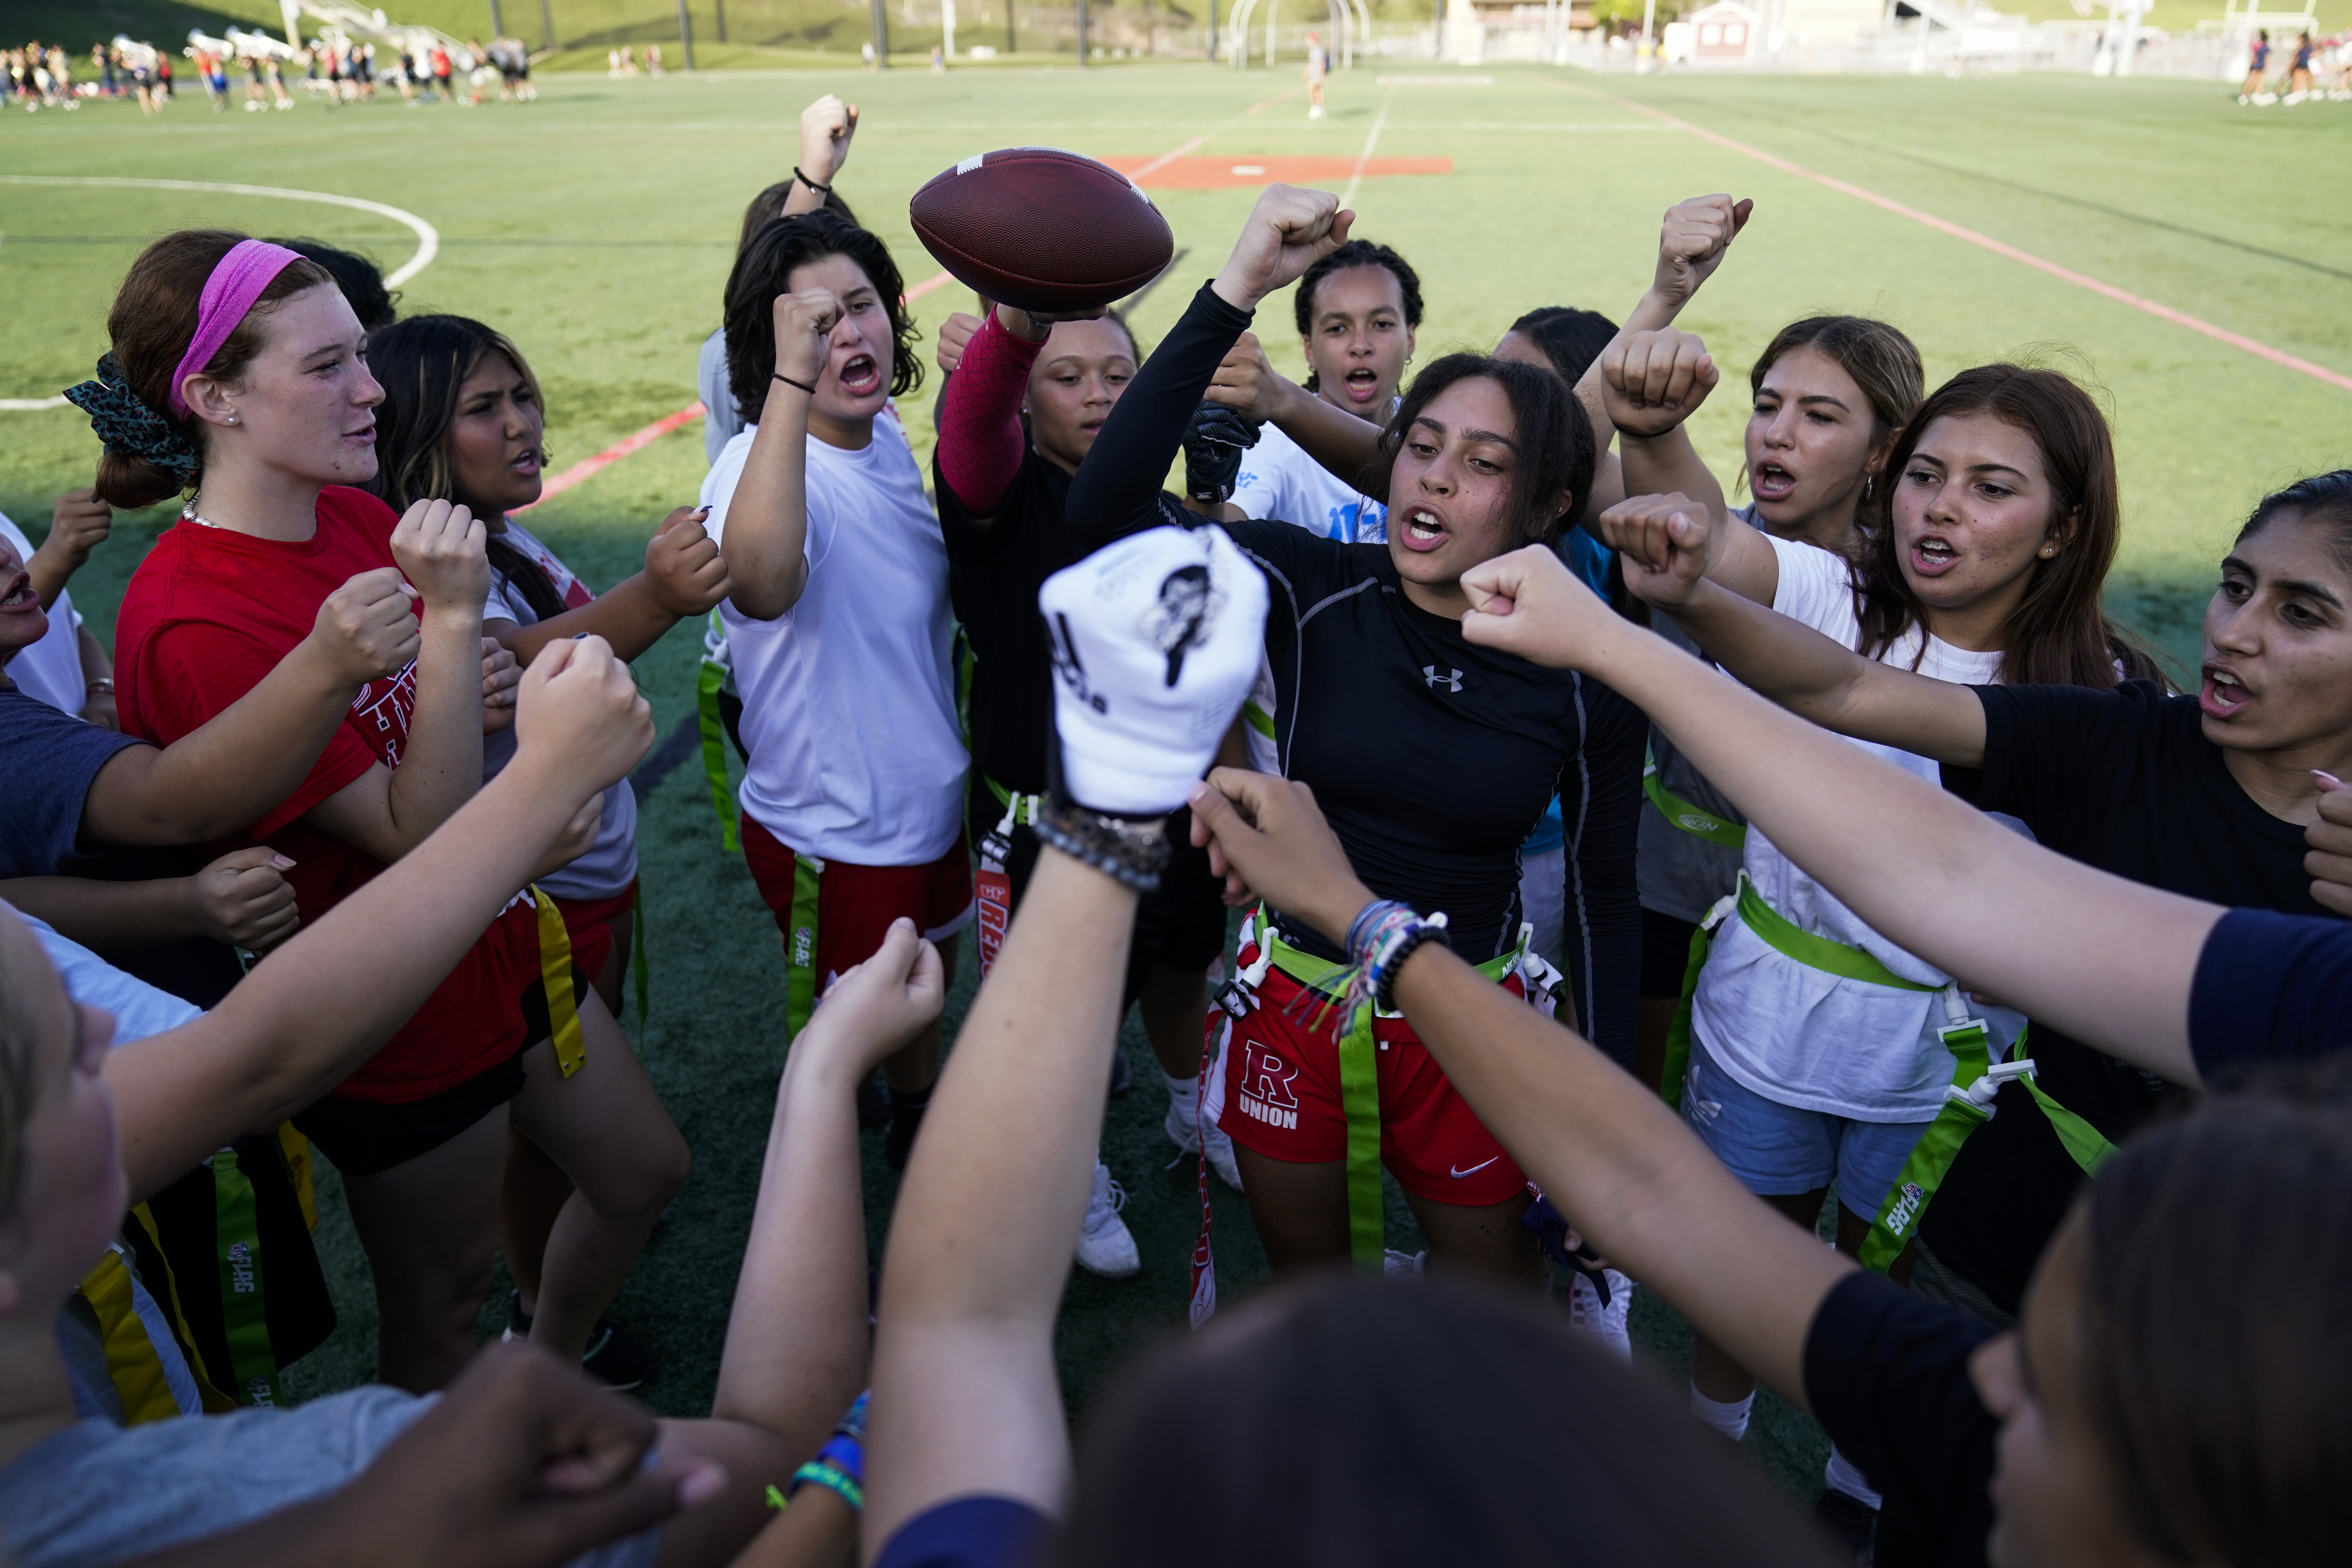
207 615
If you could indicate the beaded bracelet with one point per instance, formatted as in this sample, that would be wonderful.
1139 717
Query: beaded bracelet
1130 851
824 1473
1394 949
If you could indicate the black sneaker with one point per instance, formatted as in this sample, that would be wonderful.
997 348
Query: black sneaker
618 1360
614 1357
906 1120
873 1103
1851 1521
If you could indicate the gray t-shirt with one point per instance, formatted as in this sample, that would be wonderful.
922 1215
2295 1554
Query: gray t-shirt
720 420
1680 874
96 1493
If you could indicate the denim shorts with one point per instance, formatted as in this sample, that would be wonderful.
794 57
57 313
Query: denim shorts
1779 1150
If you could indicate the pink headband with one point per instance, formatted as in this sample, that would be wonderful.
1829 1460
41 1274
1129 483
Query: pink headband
237 282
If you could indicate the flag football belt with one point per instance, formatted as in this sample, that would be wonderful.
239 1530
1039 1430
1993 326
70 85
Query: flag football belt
1684 815
1360 1090
556 978
992 886
1967 1105
1968 1100
708 682
1785 937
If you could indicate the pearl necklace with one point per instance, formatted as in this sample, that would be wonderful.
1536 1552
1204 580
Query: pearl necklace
188 514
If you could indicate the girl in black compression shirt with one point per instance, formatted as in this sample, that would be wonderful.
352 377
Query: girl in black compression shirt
1433 758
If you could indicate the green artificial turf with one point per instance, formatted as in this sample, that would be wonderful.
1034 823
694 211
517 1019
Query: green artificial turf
594 228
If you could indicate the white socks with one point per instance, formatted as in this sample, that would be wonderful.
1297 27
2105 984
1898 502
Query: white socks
1184 1094
1731 1419
1841 1476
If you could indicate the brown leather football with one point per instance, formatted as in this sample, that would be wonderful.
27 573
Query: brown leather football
1042 230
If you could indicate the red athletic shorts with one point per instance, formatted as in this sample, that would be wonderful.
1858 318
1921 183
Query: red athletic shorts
856 904
589 922
1275 1090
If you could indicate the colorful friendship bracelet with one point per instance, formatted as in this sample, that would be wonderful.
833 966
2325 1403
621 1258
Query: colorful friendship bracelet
1396 947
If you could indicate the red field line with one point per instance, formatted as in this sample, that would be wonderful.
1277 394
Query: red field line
1200 174
1944 225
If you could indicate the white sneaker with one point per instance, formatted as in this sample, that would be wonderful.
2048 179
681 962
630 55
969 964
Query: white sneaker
1105 1246
1606 1323
1179 1130
1395 1262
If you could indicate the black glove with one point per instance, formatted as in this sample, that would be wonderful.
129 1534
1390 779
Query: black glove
1212 451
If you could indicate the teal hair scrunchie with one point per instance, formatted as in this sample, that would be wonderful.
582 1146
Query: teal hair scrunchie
129 427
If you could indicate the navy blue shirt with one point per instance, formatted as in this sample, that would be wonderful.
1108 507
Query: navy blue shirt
2269 988
48 761
968 1532
1887 1376
2123 780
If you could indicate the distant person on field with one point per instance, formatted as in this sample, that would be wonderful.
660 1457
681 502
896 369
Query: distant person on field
826 127
2298 82
2258 65
1317 65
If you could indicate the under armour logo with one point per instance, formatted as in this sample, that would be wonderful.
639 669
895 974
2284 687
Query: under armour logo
1451 680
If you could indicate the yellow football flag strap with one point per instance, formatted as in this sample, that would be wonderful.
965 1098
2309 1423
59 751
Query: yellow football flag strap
557 979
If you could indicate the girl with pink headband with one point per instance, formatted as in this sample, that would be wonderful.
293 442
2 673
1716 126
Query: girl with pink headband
237 376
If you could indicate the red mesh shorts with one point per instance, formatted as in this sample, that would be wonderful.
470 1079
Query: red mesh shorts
1273 1088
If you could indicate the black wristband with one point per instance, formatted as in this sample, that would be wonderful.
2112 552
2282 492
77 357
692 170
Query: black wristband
812 184
788 381
1130 851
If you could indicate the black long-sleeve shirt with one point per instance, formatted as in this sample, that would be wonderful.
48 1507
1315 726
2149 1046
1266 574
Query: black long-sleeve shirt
1433 758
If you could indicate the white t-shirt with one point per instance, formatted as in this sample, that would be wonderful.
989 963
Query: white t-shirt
849 695
1279 480
1795 1033
610 865
51 669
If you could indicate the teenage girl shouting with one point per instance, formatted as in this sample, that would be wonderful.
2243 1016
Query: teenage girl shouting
2207 796
1018 417
838 621
1434 758
1830 393
1817 1048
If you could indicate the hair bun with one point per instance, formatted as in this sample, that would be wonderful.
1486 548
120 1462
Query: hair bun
129 427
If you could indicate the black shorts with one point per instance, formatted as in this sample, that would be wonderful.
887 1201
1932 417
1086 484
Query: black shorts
1180 924
1666 954
366 1138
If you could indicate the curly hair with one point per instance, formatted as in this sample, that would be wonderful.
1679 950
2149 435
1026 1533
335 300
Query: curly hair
1355 253
764 268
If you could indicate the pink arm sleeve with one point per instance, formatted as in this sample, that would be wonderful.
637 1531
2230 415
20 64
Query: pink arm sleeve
980 439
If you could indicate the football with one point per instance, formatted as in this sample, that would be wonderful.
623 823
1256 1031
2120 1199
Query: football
1042 230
